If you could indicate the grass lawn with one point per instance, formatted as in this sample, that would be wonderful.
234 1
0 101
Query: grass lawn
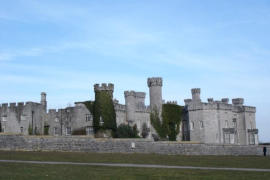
208 161
38 171
10 171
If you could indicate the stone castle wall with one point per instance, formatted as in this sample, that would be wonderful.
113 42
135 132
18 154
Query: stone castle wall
86 144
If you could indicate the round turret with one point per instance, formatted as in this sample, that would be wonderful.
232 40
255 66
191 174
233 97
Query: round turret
155 91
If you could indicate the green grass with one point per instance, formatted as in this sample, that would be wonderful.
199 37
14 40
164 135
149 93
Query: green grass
65 172
10 171
208 161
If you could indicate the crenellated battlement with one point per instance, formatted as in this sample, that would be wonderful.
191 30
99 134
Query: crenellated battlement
154 81
171 102
135 94
119 107
52 111
104 87
12 105
238 101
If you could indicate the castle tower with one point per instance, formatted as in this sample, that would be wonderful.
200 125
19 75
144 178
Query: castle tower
133 101
155 91
43 101
196 94
130 101
109 88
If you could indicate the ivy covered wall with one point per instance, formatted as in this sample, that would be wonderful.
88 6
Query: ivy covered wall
104 117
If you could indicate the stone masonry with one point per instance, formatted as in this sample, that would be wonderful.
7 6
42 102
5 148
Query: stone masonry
214 122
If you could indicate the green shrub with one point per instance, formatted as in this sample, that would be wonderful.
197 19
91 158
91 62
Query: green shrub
79 131
126 131
145 130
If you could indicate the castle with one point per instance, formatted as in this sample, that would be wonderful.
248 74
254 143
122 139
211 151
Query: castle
214 122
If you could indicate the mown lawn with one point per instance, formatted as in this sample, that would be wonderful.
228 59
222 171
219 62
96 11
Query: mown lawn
9 171
208 161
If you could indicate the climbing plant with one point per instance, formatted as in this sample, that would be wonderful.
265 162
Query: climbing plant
104 117
168 127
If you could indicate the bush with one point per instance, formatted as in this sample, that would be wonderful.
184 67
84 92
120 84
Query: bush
145 130
80 131
126 131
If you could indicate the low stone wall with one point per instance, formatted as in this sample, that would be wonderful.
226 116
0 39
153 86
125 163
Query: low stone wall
87 144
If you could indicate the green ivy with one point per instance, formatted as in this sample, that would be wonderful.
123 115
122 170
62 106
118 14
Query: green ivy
168 128
102 109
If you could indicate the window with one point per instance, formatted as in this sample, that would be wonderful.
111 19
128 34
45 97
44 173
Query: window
89 130
21 129
228 138
4 118
226 124
88 117
251 125
251 138
56 119
101 122
55 131
201 124
68 131
234 123
191 125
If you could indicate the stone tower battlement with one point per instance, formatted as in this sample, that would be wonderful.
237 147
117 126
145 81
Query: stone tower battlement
154 81
196 94
104 87
155 92
135 94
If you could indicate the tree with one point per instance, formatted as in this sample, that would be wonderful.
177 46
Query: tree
168 128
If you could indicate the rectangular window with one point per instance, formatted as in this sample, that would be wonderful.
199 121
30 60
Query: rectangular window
88 117
68 131
89 130
55 131
251 138
227 138
4 118
21 129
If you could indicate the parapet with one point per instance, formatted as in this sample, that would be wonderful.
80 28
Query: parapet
20 104
196 91
129 93
104 87
210 100
187 101
225 100
196 94
171 102
238 101
154 81
52 111
135 94
5 105
12 105
140 94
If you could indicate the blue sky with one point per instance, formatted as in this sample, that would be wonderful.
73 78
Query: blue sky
65 47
